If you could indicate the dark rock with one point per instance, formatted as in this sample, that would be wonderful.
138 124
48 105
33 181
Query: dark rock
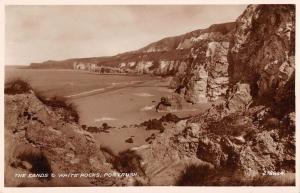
170 118
129 140
173 102
153 124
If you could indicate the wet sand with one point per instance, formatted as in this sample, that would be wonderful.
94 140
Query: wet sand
127 106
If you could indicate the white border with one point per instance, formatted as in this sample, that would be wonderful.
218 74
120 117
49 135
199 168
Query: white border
141 189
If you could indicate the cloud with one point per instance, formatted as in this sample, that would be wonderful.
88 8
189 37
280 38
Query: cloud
38 33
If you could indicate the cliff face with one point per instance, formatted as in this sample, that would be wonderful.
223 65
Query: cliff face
184 51
207 78
160 58
252 133
188 40
262 52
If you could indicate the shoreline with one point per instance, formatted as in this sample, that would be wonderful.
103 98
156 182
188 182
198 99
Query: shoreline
102 90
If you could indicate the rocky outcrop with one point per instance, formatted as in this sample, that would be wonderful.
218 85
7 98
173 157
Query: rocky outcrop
264 58
242 143
38 140
206 76
263 50
143 67
230 139
252 132
159 163
197 86
217 68
173 102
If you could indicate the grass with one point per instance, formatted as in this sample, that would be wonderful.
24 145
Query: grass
21 86
70 112
17 86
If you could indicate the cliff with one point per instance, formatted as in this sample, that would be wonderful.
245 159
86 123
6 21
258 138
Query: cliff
262 54
249 138
162 55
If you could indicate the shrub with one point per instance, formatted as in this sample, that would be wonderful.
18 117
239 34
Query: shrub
17 86
56 102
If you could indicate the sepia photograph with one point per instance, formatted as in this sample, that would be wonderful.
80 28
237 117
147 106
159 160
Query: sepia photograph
149 95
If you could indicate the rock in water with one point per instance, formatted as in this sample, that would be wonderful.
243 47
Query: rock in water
129 140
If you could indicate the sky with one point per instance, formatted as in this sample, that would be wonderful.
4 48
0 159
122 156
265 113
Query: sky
36 33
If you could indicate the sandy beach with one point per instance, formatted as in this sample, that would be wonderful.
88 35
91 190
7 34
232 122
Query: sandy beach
116 100
128 106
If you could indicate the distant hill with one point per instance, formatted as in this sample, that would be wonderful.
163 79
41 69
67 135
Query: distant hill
175 48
